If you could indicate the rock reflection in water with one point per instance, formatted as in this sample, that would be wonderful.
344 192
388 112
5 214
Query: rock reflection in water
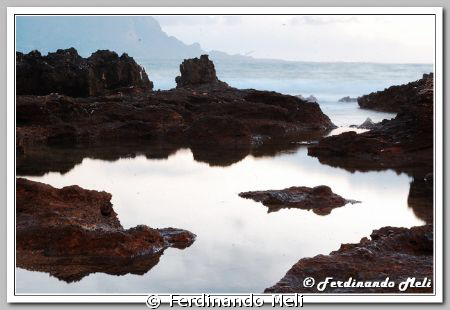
41 159
72 232
239 247
320 199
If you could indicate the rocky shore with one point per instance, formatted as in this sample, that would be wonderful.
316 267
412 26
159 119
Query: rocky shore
397 253
104 106
395 98
66 72
72 232
404 143
320 199
202 113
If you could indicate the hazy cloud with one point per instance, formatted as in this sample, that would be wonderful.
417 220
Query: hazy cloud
321 20
368 38
199 20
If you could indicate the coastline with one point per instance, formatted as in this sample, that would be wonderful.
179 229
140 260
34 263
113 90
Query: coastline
248 126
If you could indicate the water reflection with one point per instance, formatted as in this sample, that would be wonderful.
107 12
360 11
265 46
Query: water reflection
239 247
72 269
40 159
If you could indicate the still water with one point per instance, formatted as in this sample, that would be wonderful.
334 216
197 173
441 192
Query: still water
239 246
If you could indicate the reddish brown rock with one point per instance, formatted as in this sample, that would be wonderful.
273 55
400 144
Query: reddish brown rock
394 98
65 72
397 253
320 199
72 232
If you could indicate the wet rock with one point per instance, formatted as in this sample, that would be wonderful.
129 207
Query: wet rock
197 71
404 143
320 199
348 99
397 253
72 232
394 98
67 73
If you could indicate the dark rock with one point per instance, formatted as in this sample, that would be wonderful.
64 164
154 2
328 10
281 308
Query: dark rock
367 124
233 122
348 99
397 253
65 72
219 130
320 199
394 98
420 197
72 232
197 71
404 143
39 158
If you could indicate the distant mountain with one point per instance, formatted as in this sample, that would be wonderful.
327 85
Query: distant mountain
139 36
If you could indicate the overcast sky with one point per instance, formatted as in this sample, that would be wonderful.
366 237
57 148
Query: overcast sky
388 39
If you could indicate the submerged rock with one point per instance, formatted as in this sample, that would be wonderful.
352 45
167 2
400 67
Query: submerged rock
72 232
320 199
348 99
394 98
397 253
67 73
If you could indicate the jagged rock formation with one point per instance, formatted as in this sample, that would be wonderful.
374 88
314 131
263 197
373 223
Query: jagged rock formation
320 199
394 98
367 124
72 232
211 117
65 72
196 72
397 253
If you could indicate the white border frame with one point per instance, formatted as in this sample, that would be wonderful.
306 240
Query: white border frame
308 298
